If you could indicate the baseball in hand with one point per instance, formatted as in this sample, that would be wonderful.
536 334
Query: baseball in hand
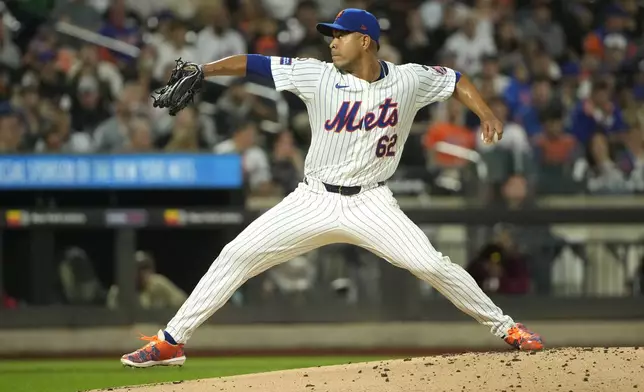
494 139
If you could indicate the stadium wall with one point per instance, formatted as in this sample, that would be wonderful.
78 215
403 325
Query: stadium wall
406 338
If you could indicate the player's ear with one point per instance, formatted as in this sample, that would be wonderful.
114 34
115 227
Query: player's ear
366 42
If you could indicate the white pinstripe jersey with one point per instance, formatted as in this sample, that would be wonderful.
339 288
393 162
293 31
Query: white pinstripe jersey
359 128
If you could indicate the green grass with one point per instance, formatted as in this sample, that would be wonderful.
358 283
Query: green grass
79 375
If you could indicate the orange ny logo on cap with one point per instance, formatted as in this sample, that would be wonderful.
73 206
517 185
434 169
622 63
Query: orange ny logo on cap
339 15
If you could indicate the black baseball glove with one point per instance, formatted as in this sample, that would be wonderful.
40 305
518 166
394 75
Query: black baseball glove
185 81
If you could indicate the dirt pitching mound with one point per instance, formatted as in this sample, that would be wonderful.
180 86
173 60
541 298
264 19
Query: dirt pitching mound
570 369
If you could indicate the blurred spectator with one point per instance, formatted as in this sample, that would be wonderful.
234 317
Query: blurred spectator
28 101
11 129
515 193
597 115
498 270
630 160
79 282
389 52
280 9
51 141
541 26
541 99
471 43
265 41
140 138
57 136
43 41
287 168
568 86
518 93
120 26
434 12
175 47
554 146
632 104
606 175
487 89
155 291
615 22
257 26
9 52
449 24
105 71
90 105
6 86
418 45
507 42
534 243
257 169
615 53
145 68
237 105
52 81
292 280
542 66
451 130
185 132
161 32
219 39
80 13
300 30
491 71
555 153
635 16
153 8
111 134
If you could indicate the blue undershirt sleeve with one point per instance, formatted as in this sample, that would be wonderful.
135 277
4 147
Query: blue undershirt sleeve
259 65
458 76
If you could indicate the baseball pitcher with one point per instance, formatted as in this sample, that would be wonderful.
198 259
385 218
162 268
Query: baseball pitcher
361 110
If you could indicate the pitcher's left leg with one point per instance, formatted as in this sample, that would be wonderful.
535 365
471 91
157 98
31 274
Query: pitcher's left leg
381 227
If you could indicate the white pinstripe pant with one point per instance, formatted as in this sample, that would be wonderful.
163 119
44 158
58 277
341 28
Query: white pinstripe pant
311 217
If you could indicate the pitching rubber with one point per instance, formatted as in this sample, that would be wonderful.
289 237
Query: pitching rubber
179 361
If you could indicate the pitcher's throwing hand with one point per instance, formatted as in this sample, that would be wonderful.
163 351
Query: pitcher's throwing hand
491 129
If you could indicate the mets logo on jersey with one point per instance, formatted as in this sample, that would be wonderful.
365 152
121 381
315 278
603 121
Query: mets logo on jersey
347 117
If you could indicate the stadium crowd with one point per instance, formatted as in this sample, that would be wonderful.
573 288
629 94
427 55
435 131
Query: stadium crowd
566 77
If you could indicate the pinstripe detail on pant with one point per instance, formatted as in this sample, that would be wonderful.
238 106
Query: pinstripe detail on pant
379 225
310 218
303 221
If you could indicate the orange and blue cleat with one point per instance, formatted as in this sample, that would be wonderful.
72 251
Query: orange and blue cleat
522 338
158 352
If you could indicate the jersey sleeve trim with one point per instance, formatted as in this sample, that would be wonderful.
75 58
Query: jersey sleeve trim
259 65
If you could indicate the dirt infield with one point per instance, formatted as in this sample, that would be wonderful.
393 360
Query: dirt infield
569 369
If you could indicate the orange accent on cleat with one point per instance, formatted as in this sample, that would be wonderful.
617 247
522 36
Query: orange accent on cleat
523 339
157 352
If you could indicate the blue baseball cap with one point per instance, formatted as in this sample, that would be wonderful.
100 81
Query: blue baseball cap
355 21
